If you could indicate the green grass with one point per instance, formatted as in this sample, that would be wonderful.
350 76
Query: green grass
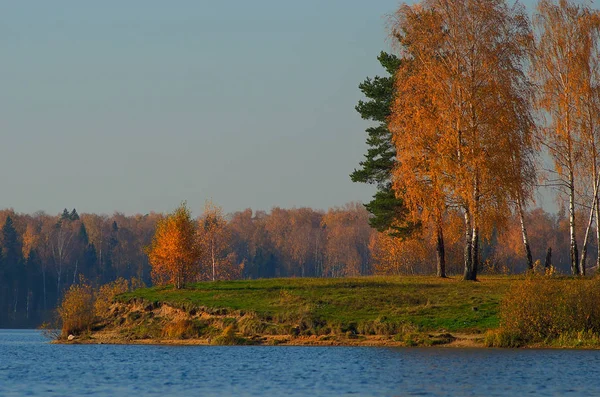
366 305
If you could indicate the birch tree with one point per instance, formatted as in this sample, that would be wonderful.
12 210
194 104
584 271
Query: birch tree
463 112
174 251
214 239
565 68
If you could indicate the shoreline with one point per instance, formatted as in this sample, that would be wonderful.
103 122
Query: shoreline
461 341
474 341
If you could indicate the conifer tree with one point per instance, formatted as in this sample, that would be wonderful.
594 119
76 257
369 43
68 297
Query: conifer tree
388 210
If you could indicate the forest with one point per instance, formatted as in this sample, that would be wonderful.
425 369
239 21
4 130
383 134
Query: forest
43 255
480 106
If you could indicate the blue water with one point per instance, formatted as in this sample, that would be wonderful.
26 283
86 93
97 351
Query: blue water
30 366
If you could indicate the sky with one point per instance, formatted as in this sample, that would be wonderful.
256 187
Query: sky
135 106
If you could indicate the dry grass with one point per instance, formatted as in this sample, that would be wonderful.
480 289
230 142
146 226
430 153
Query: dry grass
548 310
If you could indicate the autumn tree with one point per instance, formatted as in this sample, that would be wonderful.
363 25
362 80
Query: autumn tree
214 239
566 72
174 252
347 236
462 112
564 46
61 243
296 237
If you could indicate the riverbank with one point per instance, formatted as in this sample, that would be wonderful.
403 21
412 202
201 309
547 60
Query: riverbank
422 340
369 311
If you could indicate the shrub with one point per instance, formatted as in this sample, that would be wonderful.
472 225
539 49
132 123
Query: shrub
76 310
541 309
106 294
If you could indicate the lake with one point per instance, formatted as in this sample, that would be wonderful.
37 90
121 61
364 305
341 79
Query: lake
30 366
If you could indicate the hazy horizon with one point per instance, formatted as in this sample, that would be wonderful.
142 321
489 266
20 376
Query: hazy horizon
135 107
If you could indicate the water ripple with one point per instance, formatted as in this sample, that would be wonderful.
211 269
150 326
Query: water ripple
30 366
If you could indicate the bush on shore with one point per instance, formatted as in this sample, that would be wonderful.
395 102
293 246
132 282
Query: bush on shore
83 305
549 310
76 310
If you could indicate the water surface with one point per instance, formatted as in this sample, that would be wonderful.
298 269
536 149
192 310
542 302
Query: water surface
30 366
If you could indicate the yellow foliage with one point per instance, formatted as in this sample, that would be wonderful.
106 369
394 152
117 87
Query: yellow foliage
174 251
30 240
76 310
106 294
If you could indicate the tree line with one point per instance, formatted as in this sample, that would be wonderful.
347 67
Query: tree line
477 97
42 255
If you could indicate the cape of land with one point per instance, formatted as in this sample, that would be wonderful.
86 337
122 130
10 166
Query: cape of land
370 311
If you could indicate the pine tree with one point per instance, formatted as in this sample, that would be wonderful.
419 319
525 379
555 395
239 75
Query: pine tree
65 215
74 216
14 267
12 251
388 210
83 236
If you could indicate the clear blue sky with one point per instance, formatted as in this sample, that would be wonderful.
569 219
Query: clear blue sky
135 106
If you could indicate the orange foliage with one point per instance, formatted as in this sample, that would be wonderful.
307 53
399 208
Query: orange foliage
461 121
174 252
393 256
30 240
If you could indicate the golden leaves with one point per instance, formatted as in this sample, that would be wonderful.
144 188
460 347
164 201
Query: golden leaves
174 252
461 120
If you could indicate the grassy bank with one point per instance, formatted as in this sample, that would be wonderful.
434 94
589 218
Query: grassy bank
371 310
425 303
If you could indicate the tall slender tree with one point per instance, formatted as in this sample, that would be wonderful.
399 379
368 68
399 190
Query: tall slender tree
566 73
462 112
214 239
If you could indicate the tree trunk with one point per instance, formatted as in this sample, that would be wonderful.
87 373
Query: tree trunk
58 274
524 234
573 241
44 283
212 254
587 231
475 231
441 253
75 272
27 307
475 253
548 262
468 274
598 232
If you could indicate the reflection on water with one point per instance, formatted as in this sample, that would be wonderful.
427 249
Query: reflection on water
31 366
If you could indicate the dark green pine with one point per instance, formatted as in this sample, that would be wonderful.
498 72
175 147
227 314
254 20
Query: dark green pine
387 209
